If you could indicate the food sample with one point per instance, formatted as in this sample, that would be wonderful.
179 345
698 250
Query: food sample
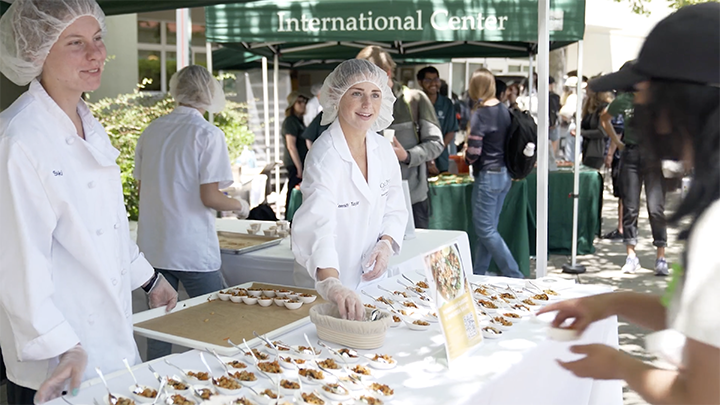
502 321
362 370
370 400
382 389
487 304
383 358
305 295
270 367
422 284
482 291
396 318
416 289
307 349
550 292
178 385
370 306
409 304
520 307
420 323
237 364
348 353
245 376
334 389
281 347
402 311
310 373
507 296
227 383
290 385
147 393
202 376
541 297
254 289
492 330
284 291
528 301
240 293
329 363
123 401
268 392
511 315
258 355
181 400
312 399
291 360
243 401
401 293
205 393
384 300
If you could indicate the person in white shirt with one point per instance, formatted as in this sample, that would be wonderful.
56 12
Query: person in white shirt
313 107
181 163
67 263
677 112
353 214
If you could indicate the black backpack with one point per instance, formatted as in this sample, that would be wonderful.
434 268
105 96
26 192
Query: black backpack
523 130
553 109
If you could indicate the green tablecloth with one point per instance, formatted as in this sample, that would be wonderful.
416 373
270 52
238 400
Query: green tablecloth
451 206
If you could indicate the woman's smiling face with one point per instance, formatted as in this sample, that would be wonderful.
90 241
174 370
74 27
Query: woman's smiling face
360 106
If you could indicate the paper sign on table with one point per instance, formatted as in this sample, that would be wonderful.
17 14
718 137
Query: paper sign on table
454 302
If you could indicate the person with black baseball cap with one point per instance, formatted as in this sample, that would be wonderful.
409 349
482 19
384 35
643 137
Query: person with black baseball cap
677 116
636 169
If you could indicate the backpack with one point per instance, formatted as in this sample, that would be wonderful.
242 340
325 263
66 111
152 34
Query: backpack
522 132
263 212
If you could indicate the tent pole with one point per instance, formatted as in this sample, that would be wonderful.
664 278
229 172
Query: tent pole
574 268
450 79
182 37
467 74
542 149
266 108
531 83
276 74
209 59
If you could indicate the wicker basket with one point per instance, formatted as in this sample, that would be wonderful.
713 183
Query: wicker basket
353 334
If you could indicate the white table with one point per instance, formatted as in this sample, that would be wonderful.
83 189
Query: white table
275 264
518 369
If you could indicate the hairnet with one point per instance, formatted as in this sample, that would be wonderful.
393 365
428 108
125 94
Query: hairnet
348 74
196 87
30 28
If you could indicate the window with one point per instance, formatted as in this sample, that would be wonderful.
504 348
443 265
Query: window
157 59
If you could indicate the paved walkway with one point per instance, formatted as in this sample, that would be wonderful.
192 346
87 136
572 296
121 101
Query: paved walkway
603 267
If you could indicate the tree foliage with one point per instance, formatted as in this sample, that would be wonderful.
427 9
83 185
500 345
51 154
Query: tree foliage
640 6
126 116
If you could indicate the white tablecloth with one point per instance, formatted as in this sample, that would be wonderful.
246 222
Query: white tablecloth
275 264
518 369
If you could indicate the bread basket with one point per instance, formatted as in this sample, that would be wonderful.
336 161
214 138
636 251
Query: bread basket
362 335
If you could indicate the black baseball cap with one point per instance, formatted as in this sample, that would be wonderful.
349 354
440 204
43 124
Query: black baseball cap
684 46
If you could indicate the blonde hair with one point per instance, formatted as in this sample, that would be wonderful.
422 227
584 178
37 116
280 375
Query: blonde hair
378 56
595 101
482 86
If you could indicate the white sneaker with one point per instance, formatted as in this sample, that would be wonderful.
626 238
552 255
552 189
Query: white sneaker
632 264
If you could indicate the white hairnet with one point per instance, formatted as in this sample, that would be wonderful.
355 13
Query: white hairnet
30 28
195 86
348 74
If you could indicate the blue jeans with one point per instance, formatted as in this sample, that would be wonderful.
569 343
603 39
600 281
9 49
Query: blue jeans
489 193
196 283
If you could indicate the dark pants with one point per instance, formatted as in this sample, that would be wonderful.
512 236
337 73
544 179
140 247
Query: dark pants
17 395
421 214
634 172
293 180
196 283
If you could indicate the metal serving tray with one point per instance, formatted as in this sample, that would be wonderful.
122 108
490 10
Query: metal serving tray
250 243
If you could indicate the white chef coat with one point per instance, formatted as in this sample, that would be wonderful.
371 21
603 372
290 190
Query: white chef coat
342 215
67 263
174 156
312 109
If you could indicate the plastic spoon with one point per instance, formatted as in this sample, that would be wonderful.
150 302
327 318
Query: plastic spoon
112 398
138 389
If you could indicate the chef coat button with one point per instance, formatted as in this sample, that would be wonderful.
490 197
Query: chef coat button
99 232
91 184
116 226
70 140
114 281
123 272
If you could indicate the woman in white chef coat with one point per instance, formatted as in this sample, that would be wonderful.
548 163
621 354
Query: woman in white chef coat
181 163
67 263
353 214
